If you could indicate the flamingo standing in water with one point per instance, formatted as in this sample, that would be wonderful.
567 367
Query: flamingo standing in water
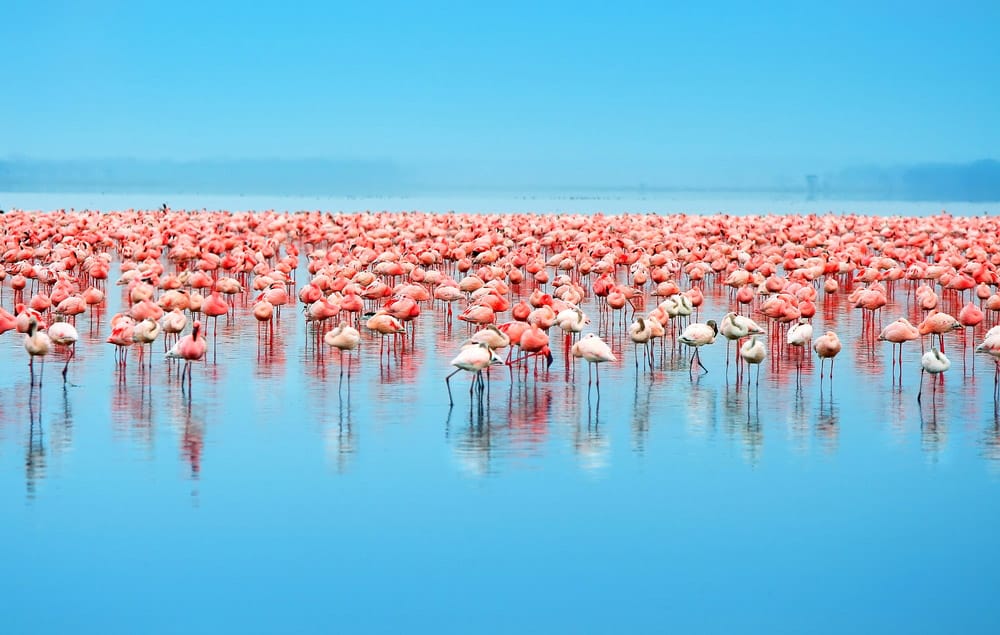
64 334
215 306
343 337
935 363
384 324
263 312
190 348
799 336
121 336
172 323
827 346
474 359
145 333
641 333
753 352
595 351
37 344
897 333
697 335
939 324
735 327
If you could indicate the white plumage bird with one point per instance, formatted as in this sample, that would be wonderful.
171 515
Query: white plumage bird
64 334
473 358
934 362
753 352
697 335
595 351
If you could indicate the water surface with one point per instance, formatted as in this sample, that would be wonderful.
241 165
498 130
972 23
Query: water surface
275 498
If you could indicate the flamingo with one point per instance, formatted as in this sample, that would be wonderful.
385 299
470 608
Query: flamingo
492 337
827 346
934 362
939 324
384 324
145 333
121 336
172 323
595 351
799 336
190 348
263 312
897 333
735 327
343 337
37 344
473 359
697 335
7 321
64 334
641 333
753 352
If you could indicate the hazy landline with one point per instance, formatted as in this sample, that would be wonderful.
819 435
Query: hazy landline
976 181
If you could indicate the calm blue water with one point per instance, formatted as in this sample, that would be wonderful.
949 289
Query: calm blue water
276 500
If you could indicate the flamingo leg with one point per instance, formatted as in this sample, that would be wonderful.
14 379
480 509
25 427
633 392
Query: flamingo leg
447 382
72 353
698 358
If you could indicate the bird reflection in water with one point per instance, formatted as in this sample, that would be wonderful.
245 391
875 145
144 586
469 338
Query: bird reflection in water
474 447
933 432
34 462
192 445
529 411
340 438
868 359
486 433
895 407
742 416
62 429
641 402
271 358
590 443
132 410
402 366
828 423
798 419
702 410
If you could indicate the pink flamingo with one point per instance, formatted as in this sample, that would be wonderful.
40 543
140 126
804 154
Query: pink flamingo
190 348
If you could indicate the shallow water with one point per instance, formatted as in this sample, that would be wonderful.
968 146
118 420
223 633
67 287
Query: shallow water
273 498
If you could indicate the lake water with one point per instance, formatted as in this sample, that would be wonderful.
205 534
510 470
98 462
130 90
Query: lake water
275 499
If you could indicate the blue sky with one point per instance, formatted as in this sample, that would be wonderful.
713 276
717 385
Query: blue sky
560 92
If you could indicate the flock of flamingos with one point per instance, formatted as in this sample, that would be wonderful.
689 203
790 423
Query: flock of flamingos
519 281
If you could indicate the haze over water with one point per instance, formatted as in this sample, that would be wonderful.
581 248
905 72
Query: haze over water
544 202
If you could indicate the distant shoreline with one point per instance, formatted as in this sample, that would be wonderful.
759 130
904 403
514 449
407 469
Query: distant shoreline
737 203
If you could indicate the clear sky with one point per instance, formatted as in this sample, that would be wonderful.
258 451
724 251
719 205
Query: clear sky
569 92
